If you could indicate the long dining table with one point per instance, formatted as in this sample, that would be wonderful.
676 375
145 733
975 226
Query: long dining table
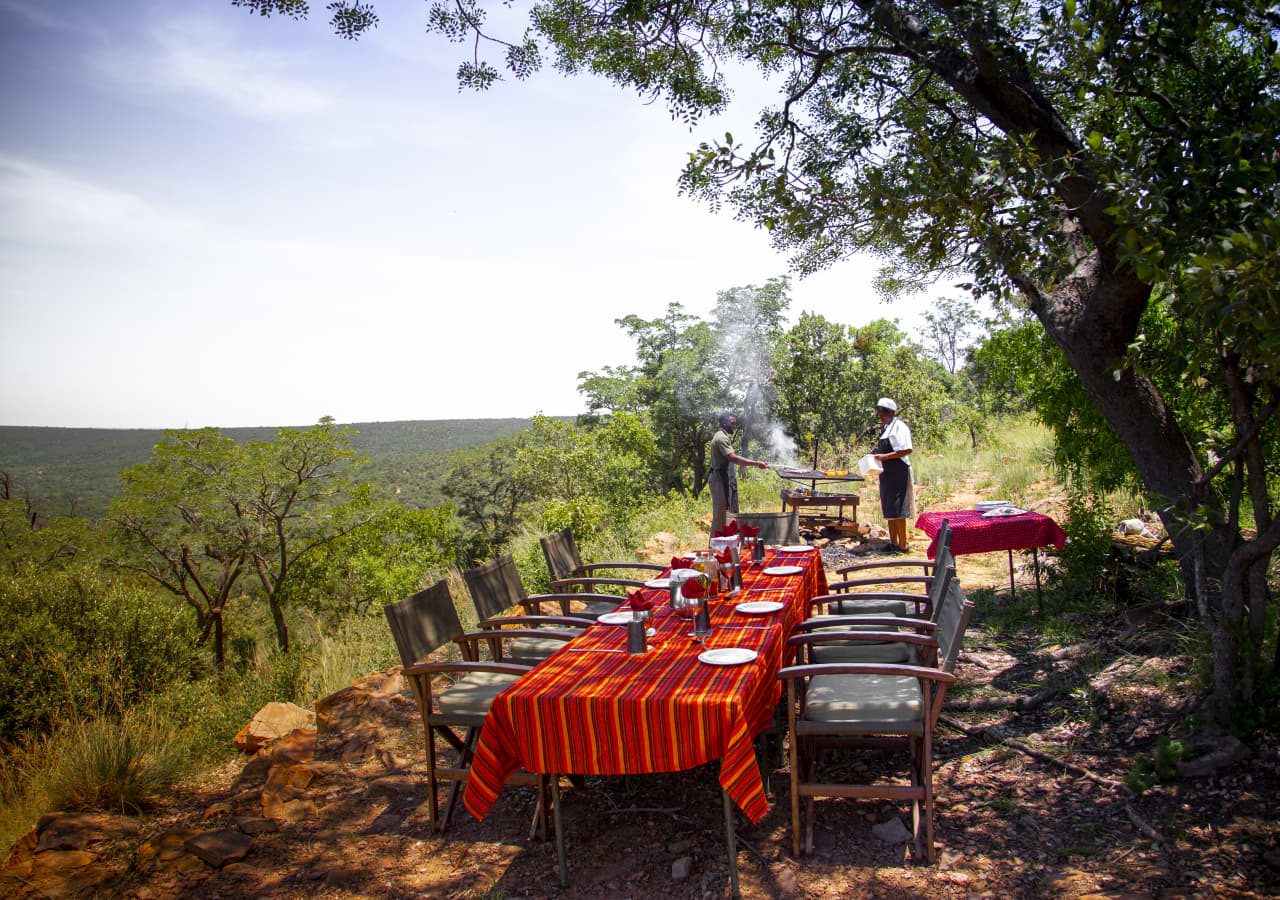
592 708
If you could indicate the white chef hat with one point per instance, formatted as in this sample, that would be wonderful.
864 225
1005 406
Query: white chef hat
886 403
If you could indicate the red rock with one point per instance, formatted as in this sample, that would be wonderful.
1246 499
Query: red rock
272 722
215 810
75 831
255 825
164 847
219 847
298 745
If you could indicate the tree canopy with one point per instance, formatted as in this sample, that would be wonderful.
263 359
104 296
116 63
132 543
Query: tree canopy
1072 156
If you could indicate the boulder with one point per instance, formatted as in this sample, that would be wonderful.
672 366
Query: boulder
164 847
64 873
892 831
215 810
282 794
272 722
75 831
255 825
219 847
298 745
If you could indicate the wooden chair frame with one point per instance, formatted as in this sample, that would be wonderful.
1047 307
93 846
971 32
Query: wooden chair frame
436 612
568 571
810 737
496 588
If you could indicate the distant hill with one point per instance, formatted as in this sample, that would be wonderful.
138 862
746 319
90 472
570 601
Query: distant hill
74 470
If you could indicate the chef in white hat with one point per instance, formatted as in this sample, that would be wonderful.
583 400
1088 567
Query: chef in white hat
892 450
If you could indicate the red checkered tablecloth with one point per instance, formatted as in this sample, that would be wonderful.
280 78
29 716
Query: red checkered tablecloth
971 533
603 713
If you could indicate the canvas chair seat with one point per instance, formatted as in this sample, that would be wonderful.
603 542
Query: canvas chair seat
569 573
864 704
871 607
872 703
473 694
886 652
529 651
454 695
597 608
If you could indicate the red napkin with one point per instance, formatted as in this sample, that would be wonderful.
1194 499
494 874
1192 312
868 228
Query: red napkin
727 531
693 588
749 532
723 556
682 562
639 601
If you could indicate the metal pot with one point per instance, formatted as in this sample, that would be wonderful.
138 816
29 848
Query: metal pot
686 607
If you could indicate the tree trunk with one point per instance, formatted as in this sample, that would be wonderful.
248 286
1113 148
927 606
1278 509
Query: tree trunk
1093 317
282 627
219 643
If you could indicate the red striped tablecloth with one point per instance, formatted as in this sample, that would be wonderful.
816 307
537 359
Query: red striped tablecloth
599 713
971 533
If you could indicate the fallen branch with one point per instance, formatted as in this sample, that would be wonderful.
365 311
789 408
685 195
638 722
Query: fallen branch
974 660
993 733
1005 702
1072 651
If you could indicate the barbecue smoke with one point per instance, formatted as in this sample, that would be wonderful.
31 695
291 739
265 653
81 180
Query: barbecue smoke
743 328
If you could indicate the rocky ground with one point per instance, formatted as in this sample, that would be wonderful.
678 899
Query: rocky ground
1038 740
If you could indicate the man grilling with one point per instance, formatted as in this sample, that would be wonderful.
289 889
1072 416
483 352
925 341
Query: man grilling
723 480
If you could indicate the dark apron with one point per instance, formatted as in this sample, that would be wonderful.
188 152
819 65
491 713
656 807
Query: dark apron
895 484
726 482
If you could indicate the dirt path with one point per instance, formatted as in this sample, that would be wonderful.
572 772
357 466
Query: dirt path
342 815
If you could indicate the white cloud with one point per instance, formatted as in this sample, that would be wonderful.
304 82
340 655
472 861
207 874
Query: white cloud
197 56
42 205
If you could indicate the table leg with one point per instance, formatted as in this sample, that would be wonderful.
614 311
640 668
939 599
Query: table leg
731 842
559 829
1012 591
1035 556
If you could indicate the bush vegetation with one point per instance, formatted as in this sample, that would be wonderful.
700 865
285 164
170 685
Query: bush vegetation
108 691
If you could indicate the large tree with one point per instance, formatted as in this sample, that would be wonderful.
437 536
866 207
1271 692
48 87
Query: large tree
204 512
1072 156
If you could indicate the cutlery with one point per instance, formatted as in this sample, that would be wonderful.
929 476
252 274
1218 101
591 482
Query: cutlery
594 650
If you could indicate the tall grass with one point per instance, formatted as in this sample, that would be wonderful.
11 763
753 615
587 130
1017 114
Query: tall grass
1013 459
360 645
115 763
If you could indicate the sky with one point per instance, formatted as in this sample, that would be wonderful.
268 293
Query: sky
212 218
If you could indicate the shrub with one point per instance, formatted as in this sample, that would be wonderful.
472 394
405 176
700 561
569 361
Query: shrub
1082 563
113 763
79 639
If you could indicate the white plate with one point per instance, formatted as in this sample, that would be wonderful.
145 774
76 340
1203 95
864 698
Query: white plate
984 505
784 570
727 656
1001 512
795 548
620 617
660 583
758 607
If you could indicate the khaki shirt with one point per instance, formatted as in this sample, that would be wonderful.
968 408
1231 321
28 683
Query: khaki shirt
721 450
